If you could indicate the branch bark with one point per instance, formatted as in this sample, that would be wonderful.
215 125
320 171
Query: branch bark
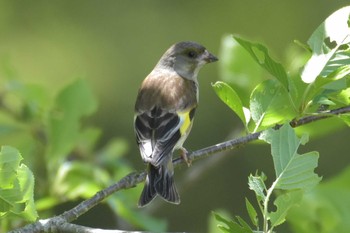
61 223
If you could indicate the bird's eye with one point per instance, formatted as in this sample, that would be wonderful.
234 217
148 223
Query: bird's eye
192 54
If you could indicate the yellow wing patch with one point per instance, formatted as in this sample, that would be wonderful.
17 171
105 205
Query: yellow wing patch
186 121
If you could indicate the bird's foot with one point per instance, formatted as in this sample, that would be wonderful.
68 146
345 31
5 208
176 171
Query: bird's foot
183 154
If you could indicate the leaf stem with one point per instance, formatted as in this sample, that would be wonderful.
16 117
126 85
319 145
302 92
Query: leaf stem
266 205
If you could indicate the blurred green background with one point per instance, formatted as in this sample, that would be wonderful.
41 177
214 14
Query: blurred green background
114 44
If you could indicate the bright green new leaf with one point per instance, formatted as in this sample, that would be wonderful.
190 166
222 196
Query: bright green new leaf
271 104
72 103
261 56
231 99
283 203
16 185
344 96
330 46
293 171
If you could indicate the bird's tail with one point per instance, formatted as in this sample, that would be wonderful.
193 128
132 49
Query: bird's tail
159 181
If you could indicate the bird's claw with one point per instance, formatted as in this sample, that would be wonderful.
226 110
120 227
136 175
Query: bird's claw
184 156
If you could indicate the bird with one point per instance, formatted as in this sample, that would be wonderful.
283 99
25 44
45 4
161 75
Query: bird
164 111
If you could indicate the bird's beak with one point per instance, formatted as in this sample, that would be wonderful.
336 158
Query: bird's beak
208 57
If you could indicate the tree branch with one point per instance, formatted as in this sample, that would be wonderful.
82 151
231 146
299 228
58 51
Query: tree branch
61 223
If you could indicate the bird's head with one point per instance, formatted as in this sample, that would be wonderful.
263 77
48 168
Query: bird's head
186 58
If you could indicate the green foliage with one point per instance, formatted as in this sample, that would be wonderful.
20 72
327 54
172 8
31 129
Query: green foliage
260 54
294 175
61 151
293 171
253 215
330 47
231 98
72 103
284 96
233 62
325 208
270 104
16 186
238 225
60 148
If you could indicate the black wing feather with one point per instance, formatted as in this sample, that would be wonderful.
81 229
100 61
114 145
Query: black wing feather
159 128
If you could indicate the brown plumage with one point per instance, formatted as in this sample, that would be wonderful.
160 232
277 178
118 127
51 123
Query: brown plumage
167 92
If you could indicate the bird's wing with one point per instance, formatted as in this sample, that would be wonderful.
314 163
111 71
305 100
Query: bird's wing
160 123
157 133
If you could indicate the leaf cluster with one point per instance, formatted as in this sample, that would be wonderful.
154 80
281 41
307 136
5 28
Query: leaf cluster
280 97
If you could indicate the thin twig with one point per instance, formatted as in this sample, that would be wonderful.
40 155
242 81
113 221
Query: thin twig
58 223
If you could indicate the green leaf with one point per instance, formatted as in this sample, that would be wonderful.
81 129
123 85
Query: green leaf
256 183
76 179
344 96
72 103
261 56
26 182
293 171
10 159
340 72
271 104
238 68
231 226
252 213
283 203
330 46
324 101
16 185
243 223
231 99
323 88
